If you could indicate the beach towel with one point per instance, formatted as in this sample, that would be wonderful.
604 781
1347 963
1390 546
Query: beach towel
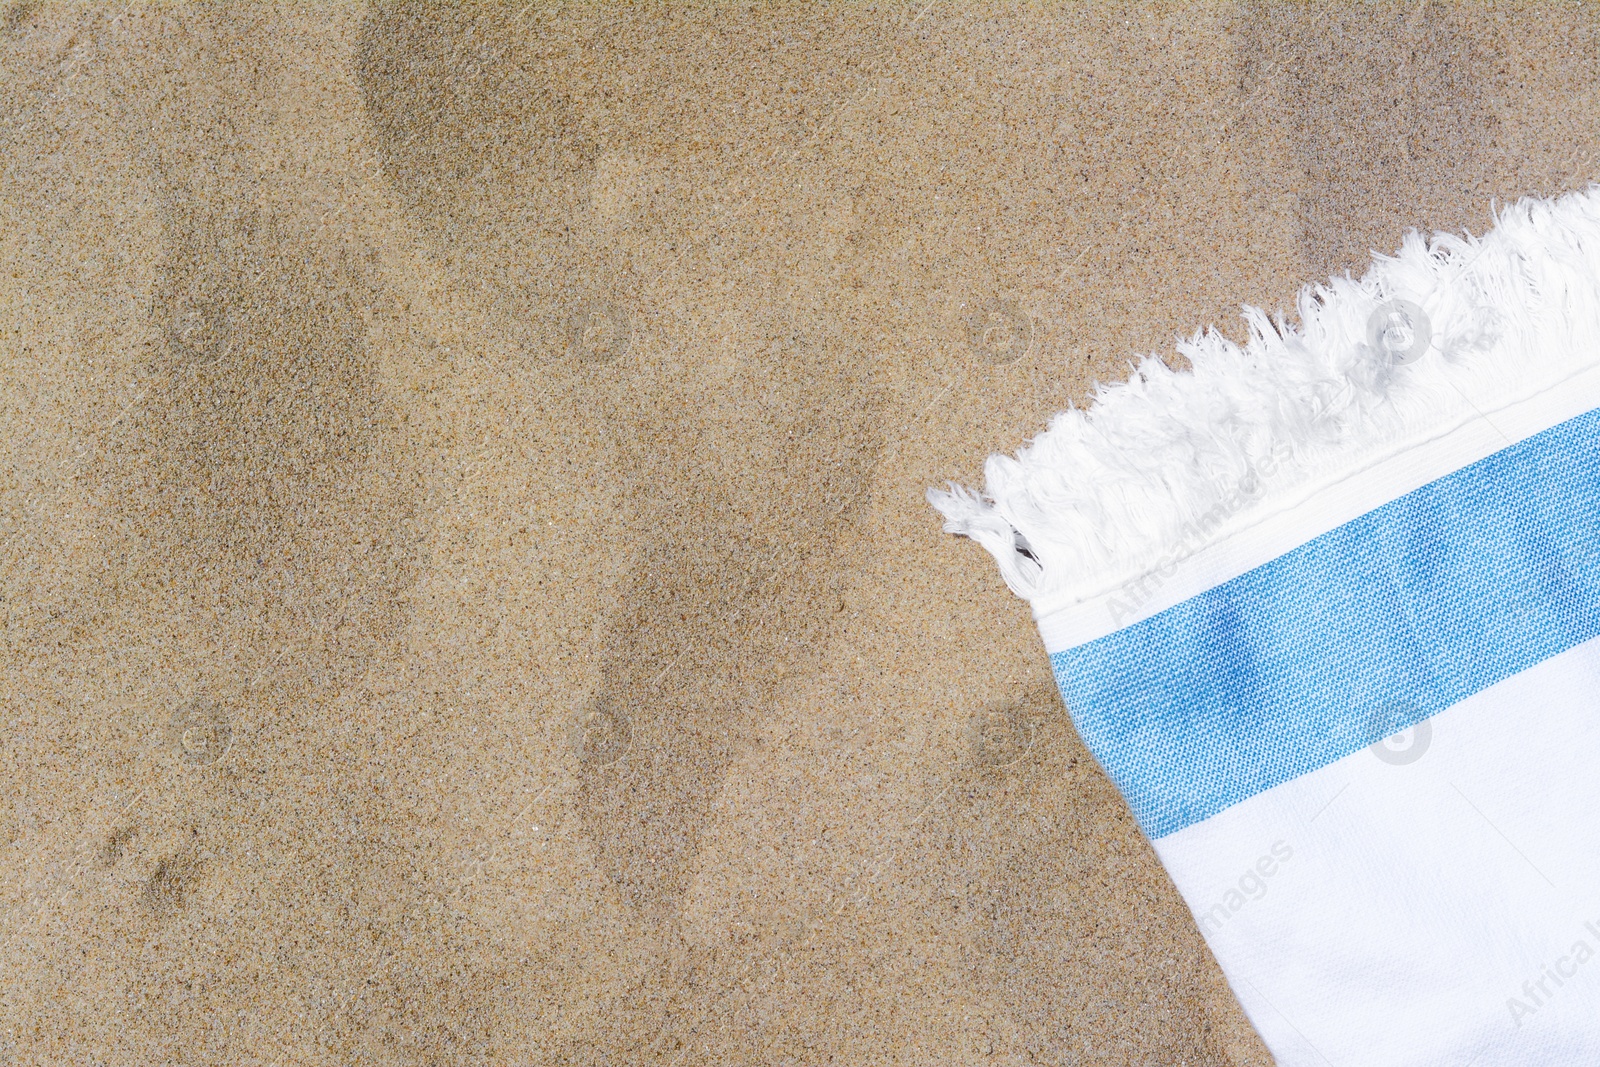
1325 606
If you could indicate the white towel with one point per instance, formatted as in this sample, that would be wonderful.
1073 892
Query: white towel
1326 608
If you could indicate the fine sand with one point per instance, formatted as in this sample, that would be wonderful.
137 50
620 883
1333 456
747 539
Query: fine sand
468 596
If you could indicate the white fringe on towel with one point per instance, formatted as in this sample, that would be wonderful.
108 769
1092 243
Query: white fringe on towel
1168 462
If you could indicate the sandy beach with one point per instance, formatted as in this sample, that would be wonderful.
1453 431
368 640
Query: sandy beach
468 594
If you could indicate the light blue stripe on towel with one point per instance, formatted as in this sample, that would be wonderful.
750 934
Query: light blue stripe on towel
1358 634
